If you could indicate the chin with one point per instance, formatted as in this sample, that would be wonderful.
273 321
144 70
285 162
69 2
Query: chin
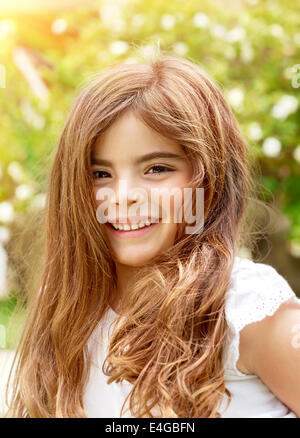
134 261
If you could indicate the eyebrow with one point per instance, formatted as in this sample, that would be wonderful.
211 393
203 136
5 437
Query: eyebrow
141 159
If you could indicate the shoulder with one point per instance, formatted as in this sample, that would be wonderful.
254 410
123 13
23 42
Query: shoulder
256 292
270 349
269 344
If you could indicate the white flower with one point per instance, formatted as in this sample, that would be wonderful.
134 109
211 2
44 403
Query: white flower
297 39
167 21
271 147
180 48
108 12
23 191
31 116
200 20
255 131
7 27
219 31
118 47
235 97
6 211
38 201
15 171
111 17
276 30
284 107
296 153
235 34
289 72
59 26
247 52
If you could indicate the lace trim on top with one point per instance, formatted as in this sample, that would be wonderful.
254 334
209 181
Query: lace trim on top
257 290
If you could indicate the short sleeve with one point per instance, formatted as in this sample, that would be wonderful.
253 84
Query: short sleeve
256 290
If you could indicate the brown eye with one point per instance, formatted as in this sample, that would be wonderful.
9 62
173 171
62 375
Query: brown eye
97 172
162 169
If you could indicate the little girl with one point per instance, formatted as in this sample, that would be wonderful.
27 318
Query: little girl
137 316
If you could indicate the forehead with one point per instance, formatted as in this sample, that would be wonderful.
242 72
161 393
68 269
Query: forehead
129 134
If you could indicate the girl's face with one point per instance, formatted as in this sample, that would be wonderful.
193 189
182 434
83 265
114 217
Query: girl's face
122 154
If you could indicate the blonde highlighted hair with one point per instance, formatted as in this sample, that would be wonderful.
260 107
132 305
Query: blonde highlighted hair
169 344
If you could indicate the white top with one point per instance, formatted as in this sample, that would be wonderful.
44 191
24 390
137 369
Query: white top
256 290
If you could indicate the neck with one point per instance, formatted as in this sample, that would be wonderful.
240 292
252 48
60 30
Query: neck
124 275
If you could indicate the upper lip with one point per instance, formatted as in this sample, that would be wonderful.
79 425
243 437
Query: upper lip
133 220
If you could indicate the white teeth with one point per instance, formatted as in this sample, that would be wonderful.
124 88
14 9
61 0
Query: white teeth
127 227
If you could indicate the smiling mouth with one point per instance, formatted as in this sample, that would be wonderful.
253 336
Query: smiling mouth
131 232
131 226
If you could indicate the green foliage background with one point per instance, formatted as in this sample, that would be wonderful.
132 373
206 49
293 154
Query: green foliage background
251 47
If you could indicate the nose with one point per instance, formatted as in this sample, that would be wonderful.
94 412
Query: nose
125 192
125 198
130 199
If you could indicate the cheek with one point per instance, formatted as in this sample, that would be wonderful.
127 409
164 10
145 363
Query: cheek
172 203
103 211
168 236
95 191
97 202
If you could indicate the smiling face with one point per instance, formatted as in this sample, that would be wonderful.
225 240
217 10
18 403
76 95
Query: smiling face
120 155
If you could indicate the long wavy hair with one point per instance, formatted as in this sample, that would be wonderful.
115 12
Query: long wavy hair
169 343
